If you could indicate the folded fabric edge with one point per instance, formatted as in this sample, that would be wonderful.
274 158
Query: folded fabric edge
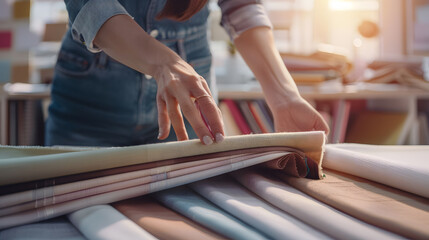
76 162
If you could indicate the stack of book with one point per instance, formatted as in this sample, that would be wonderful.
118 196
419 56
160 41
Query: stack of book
405 72
317 67
246 117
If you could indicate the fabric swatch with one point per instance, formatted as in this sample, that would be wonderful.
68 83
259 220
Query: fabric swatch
122 194
27 200
195 207
58 228
104 222
16 170
162 222
307 209
236 200
405 168
388 208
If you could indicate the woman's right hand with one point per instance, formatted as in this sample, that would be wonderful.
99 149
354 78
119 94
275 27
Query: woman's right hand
182 90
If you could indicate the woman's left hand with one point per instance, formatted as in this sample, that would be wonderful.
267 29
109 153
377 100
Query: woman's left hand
298 115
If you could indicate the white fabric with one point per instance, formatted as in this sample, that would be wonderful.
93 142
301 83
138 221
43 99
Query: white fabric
234 199
310 210
50 230
402 167
106 223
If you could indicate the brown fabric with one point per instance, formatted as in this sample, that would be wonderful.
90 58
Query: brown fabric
161 221
394 210
13 188
292 164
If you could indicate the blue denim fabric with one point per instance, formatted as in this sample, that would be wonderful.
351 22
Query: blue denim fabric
97 101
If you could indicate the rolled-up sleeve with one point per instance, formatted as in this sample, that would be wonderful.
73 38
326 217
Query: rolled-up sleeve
87 17
241 15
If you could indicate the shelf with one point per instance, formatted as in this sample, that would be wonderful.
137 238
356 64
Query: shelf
328 91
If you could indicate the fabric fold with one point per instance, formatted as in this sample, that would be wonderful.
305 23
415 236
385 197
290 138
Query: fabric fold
388 208
234 199
103 222
16 170
59 228
195 207
402 167
28 200
307 209
162 222
122 194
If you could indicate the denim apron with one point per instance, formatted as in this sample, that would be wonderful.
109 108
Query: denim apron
97 101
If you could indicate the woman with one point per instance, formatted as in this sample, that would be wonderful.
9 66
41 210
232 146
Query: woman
127 70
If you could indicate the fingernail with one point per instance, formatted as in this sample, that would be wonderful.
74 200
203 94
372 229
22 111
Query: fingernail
207 140
159 134
219 137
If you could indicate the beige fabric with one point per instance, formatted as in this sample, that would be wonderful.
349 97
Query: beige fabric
16 170
394 210
402 167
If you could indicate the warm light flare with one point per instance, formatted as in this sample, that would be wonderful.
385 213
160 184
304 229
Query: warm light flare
353 5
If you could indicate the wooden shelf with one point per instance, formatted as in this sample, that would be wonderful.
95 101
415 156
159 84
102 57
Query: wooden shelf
362 91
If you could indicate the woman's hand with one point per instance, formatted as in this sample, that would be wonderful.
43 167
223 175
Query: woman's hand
298 115
291 112
182 90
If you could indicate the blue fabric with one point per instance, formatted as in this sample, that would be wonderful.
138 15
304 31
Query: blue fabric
196 208
97 101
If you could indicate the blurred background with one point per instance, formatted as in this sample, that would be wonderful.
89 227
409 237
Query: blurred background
364 64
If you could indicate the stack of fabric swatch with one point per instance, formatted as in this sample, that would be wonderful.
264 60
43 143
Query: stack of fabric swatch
248 187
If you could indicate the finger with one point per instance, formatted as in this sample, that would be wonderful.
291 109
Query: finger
193 115
163 119
205 86
212 115
176 118
209 110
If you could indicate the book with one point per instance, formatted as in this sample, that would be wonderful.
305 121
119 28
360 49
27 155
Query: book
5 10
54 32
260 117
5 70
238 117
21 9
257 115
372 127
340 115
5 39
266 112
249 117
231 127
423 129
408 73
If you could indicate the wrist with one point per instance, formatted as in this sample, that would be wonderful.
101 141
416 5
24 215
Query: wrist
279 100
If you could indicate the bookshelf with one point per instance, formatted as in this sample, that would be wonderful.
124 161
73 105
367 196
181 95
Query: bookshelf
393 104
377 97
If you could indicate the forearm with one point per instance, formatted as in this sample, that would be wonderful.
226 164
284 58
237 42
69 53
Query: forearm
258 50
124 40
